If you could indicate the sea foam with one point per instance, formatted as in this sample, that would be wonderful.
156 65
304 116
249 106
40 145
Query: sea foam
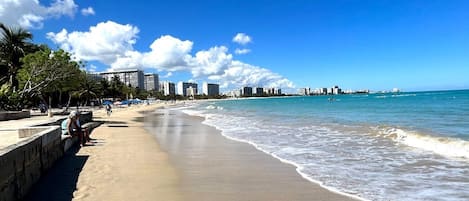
450 147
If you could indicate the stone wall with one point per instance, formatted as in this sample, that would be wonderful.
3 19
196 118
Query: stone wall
86 117
22 164
11 115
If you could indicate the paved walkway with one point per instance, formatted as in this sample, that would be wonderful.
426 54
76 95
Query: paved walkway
34 120
9 129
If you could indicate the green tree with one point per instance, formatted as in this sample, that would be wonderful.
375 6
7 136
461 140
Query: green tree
45 72
88 87
104 88
15 43
116 88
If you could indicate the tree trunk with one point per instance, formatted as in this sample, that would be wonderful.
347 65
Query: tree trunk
49 113
60 98
68 102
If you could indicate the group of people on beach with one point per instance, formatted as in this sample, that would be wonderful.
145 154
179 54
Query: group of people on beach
72 127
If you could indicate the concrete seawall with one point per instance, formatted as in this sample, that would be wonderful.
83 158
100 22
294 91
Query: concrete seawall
23 163
4 116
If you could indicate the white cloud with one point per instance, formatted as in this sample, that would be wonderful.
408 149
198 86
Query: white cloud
210 62
105 42
31 14
169 74
168 53
62 7
130 60
92 68
242 38
112 44
242 51
87 11
240 74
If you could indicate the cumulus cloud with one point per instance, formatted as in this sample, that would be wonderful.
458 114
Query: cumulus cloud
105 42
240 74
242 51
210 62
87 11
242 39
112 44
62 7
31 14
168 53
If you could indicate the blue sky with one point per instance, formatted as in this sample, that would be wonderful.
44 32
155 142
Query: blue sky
377 45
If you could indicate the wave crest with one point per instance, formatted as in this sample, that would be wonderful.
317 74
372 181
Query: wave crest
451 147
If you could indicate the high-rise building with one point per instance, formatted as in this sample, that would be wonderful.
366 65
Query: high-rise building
336 90
95 76
259 91
278 91
272 91
269 91
131 78
152 82
304 91
191 92
210 89
235 93
323 91
247 91
183 86
168 88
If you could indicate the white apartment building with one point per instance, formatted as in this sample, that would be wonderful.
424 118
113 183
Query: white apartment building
183 86
210 89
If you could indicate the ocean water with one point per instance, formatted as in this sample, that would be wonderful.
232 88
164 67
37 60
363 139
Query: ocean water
407 146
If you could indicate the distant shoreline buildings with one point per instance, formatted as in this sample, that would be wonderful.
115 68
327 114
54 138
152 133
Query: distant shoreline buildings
335 90
150 82
256 92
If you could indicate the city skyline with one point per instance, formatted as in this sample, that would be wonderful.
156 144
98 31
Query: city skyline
377 45
150 81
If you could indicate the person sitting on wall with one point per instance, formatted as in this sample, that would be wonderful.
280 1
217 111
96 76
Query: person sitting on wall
84 131
69 127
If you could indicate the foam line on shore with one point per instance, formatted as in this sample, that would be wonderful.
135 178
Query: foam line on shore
445 146
298 167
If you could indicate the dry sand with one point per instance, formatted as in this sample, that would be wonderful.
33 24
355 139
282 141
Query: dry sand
125 163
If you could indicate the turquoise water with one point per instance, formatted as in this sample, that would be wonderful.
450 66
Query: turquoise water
407 146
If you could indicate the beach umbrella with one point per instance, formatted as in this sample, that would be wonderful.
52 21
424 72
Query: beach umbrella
107 102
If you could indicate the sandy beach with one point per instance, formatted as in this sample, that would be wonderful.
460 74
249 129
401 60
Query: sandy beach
170 156
125 163
212 167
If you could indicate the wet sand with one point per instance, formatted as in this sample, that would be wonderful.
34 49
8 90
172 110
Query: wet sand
212 167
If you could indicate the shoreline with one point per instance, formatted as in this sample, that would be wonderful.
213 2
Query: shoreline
214 167
297 168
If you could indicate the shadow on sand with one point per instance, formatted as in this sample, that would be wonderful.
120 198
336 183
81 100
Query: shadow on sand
59 183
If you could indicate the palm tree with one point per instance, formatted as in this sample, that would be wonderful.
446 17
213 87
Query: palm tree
116 87
89 87
14 44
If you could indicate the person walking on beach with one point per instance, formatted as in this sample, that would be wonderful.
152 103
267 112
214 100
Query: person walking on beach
108 109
